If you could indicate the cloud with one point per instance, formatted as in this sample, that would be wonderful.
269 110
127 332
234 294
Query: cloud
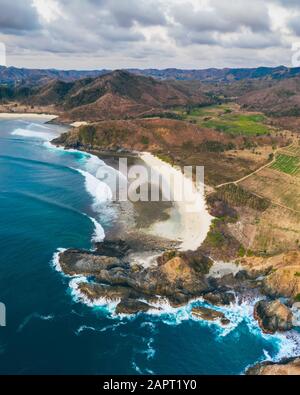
294 24
148 33
251 40
222 16
17 16
144 12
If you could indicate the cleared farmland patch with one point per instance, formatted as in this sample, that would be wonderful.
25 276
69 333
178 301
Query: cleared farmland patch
277 186
293 150
287 164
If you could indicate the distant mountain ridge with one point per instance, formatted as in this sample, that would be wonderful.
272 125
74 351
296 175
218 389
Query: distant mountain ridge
18 76
23 76
115 95
122 94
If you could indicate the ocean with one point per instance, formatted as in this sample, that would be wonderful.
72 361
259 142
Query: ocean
49 200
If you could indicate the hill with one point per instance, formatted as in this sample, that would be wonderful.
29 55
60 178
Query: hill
113 96
278 100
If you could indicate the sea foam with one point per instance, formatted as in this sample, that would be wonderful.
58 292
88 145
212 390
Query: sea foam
100 191
41 135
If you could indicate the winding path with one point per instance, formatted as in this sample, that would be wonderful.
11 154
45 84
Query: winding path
236 182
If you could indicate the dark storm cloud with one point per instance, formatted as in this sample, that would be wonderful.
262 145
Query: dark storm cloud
17 16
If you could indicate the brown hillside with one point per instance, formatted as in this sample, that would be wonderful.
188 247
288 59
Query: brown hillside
139 134
116 95
282 99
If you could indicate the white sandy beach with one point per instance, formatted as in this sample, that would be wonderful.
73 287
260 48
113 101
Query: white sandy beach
77 124
189 220
15 115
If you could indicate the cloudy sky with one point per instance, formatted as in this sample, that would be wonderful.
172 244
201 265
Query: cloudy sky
96 34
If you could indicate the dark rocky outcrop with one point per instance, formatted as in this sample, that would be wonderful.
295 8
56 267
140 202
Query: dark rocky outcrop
207 314
273 316
111 293
219 298
132 306
179 278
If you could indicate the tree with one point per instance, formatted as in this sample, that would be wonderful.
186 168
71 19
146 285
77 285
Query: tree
87 134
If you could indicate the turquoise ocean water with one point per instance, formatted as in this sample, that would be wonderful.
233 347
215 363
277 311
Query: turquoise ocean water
49 199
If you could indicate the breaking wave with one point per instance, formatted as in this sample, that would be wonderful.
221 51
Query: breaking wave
36 134
34 316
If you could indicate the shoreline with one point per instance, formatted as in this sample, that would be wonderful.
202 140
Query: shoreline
194 219
15 115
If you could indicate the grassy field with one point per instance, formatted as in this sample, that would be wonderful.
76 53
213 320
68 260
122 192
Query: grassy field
238 124
287 164
226 118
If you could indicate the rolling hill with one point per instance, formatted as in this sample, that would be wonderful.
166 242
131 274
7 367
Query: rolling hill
112 96
279 100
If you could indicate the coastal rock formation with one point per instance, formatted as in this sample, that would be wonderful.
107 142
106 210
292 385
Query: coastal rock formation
273 316
282 273
289 366
132 306
207 314
283 282
177 279
219 298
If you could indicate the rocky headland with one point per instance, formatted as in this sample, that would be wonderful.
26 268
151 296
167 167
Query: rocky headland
287 367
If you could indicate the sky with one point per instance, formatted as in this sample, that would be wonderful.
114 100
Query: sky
111 34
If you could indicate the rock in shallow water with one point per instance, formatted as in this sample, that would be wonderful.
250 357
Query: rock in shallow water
94 291
178 279
132 306
210 315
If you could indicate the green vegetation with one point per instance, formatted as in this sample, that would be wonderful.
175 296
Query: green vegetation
215 238
224 118
87 134
165 157
241 251
168 115
287 164
238 124
297 274
145 140
237 196
297 298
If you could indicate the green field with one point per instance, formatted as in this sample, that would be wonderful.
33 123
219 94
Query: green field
225 118
238 124
287 164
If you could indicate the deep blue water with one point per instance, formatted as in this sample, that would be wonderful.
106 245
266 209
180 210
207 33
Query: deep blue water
44 205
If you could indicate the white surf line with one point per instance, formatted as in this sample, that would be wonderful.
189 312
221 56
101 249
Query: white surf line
98 190
189 220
